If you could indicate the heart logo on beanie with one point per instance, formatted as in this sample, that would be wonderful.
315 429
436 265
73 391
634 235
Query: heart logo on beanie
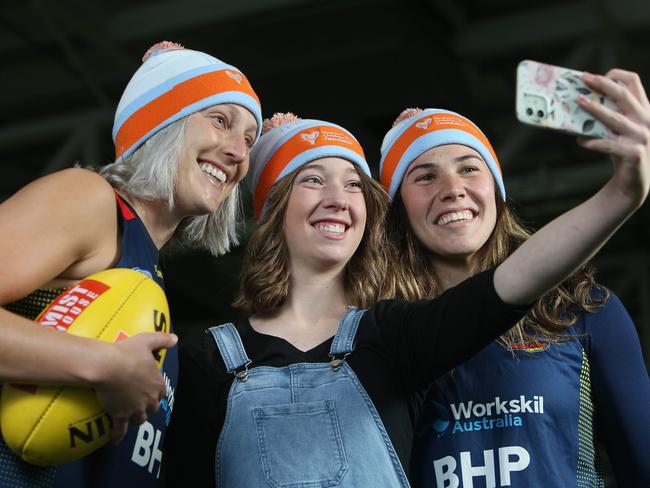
311 137
235 76
424 124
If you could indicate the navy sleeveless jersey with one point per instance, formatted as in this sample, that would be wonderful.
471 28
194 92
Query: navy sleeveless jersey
529 416
136 461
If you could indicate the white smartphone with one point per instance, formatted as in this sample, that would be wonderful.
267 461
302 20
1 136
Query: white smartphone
546 97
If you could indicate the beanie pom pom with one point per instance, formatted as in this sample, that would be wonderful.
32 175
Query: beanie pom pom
277 120
407 114
161 46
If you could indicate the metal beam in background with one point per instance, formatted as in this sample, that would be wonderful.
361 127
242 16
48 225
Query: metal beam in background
512 33
14 177
143 22
295 61
70 53
546 184
173 15
497 36
92 30
66 153
53 127
81 146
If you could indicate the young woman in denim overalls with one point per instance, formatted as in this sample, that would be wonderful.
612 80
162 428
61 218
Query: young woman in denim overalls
311 391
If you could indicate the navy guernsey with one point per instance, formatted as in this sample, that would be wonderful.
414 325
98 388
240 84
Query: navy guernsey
135 462
137 249
530 416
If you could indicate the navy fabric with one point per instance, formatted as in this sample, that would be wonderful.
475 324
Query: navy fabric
531 417
136 461
137 249
621 391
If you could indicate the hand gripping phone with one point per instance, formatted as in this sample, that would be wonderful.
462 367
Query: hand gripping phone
546 97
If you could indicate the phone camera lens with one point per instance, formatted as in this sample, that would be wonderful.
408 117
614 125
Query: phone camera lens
529 111
540 114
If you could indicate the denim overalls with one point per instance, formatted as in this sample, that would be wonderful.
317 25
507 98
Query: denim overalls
307 425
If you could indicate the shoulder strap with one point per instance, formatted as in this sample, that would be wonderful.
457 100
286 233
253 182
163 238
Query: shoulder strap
230 346
344 340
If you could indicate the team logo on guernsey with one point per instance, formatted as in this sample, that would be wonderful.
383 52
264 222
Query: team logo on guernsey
530 346
473 416
440 415
145 272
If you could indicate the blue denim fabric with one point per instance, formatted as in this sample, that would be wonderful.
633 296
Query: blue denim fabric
307 425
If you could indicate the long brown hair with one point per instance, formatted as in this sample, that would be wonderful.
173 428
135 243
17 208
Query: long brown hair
265 276
412 275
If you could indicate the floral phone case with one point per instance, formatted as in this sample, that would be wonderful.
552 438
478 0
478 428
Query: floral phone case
546 97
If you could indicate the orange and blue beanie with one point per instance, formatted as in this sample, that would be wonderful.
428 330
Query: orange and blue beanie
174 82
416 131
288 142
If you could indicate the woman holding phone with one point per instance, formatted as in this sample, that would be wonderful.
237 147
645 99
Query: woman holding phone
310 392
529 408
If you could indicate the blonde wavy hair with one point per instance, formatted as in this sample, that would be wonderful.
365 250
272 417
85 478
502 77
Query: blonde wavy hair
265 277
412 275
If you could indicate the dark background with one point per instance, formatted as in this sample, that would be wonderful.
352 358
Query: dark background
357 63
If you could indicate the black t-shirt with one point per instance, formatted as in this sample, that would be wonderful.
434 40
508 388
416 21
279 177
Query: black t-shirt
400 348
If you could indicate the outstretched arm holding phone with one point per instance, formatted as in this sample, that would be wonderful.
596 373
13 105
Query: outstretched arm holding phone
553 249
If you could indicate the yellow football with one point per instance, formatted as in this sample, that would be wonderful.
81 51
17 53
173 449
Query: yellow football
48 425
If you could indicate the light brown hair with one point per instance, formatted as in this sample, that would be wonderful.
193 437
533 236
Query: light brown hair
412 275
265 277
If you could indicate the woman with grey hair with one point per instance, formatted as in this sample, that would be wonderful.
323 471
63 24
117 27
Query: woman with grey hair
183 130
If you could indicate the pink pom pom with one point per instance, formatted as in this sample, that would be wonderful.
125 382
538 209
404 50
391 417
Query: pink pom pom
407 114
277 120
161 45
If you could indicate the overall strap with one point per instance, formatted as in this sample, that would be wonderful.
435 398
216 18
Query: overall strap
344 340
231 349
